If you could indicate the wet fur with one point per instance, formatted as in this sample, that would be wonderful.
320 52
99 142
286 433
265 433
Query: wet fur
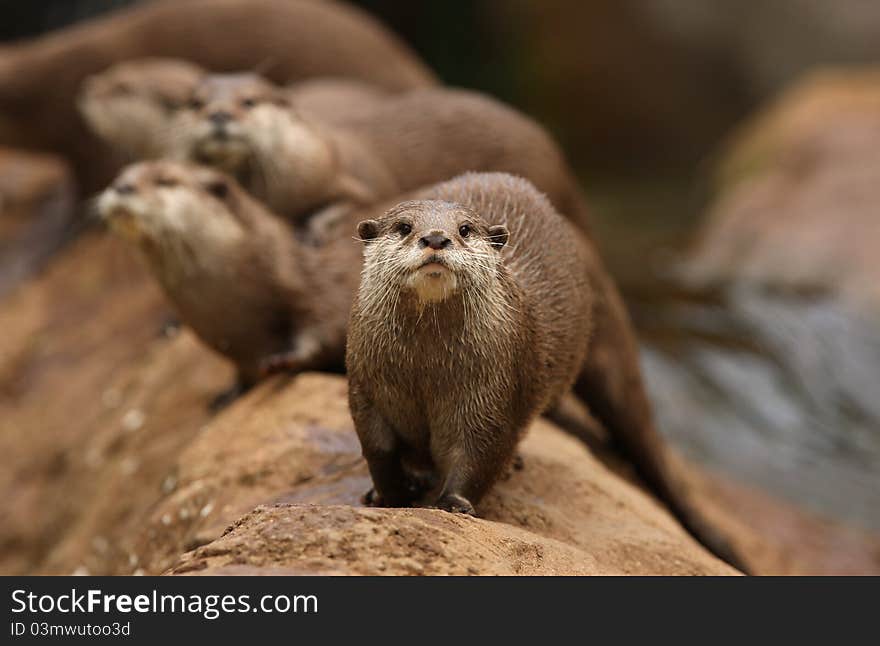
451 386
301 158
130 105
234 271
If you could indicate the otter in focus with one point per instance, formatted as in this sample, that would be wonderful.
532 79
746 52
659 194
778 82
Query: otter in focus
234 271
130 105
299 159
478 309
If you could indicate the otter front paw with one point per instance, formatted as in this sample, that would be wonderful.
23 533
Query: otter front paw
452 502
372 499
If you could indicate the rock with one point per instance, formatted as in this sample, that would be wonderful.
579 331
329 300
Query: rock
798 194
763 355
112 463
81 349
36 207
289 453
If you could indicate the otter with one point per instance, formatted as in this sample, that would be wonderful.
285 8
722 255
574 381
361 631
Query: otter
299 161
478 309
129 106
234 271
282 152
293 39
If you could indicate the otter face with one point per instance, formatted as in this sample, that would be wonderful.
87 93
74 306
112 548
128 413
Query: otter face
433 249
160 202
131 105
229 116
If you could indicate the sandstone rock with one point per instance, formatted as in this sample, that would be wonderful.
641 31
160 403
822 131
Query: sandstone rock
36 207
90 406
113 465
290 451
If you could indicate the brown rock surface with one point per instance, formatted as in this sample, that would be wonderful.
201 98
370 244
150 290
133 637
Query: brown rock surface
564 513
88 404
799 190
36 206
763 362
112 464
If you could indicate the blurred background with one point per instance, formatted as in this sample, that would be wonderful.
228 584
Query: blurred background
761 344
639 92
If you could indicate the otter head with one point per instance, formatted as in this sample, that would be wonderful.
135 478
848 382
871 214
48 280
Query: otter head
131 105
167 205
232 120
432 249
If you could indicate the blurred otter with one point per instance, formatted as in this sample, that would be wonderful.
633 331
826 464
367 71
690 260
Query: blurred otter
130 105
233 270
283 153
458 339
295 39
298 161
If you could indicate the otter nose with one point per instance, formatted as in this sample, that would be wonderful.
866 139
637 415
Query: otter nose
220 117
436 241
123 188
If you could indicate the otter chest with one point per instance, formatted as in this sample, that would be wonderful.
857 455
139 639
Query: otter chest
426 380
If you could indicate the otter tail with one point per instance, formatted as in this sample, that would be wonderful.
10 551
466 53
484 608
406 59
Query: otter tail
610 384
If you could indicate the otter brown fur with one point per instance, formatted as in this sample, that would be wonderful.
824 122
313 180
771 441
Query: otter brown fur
234 271
130 105
294 39
478 309
273 142
365 150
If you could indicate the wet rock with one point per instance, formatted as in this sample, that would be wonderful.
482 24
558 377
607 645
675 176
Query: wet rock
762 357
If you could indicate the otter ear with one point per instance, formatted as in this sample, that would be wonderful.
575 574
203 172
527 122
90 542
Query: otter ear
498 235
368 230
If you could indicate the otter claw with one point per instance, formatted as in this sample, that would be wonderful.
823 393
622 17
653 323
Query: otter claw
371 499
455 504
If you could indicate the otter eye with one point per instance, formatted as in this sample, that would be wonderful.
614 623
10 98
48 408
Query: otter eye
166 181
464 230
403 228
248 103
218 188
195 104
